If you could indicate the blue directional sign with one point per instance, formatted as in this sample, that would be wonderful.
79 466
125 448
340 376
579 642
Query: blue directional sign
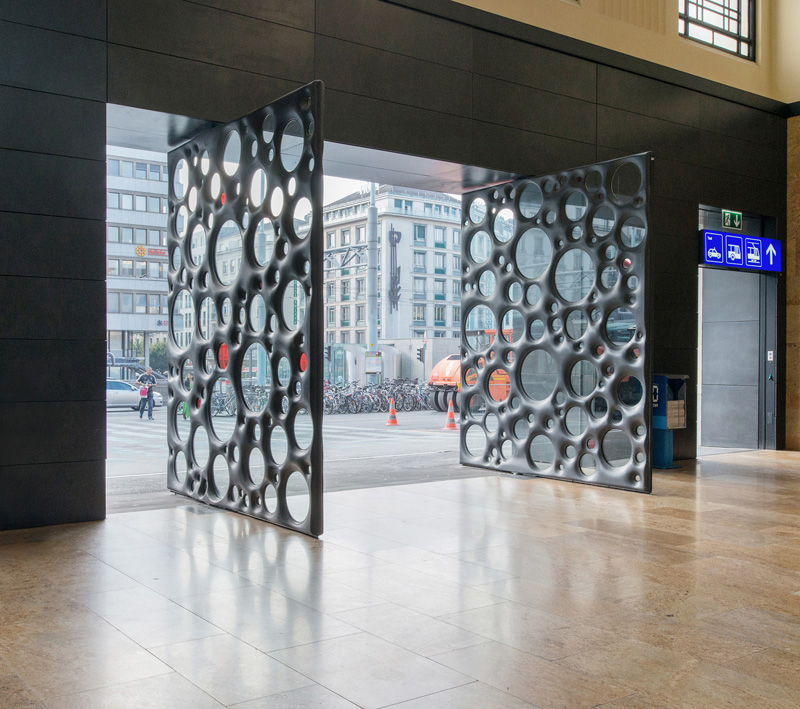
753 253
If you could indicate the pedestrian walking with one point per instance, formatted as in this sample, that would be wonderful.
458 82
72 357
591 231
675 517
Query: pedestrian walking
147 384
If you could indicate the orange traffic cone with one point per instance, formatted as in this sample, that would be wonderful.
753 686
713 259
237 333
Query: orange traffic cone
450 424
392 415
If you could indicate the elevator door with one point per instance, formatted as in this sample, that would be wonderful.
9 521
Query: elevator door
736 409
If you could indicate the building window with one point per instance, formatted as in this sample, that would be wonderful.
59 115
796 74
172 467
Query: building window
440 333
127 235
154 204
141 303
113 169
112 303
126 201
140 269
345 316
439 315
113 200
439 265
419 234
360 338
126 268
419 287
140 203
439 236
345 290
438 289
141 236
361 234
331 316
360 289
153 304
344 337
113 233
164 304
126 168
419 261
456 265
330 239
728 25
456 237
155 237
330 336
345 237
155 172
419 314
457 288
154 269
427 208
330 289
126 302
456 316
113 267
360 314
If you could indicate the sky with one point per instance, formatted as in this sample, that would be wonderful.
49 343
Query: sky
338 187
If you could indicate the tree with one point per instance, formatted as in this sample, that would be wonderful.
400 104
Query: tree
158 355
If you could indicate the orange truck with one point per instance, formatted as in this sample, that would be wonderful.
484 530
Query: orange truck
446 380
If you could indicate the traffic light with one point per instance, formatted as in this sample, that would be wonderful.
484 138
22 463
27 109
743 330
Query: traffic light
421 354
328 352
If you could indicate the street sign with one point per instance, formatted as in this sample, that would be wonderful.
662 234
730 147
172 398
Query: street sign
752 253
731 220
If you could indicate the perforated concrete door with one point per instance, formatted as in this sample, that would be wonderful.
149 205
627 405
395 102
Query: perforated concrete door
555 373
245 335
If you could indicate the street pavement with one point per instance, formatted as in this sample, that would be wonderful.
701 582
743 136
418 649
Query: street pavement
359 451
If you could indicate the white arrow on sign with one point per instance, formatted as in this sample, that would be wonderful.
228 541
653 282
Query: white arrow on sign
771 252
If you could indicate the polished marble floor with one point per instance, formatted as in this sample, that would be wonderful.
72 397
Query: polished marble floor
483 592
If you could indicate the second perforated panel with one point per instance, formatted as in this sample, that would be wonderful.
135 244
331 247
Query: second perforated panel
245 344
554 368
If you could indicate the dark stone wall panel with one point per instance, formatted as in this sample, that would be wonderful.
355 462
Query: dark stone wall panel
525 152
52 185
86 18
743 122
351 120
674 216
504 58
33 58
630 132
292 13
65 126
518 106
396 29
673 252
52 432
58 493
648 97
53 370
52 309
392 77
190 88
209 35
52 247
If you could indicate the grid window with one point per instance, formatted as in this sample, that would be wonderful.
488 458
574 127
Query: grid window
141 203
141 236
154 302
113 233
456 237
360 289
440 238
127 235
141 303
126 168
113 200
155 238
728 25
140 269
113 302
361 234
419 313
155 172
154 269
345 237
456 316
331 316
419 260
126 302
141 171
154 204
113 267
345 290
113 167
419 234
127 201
330 239
164 305
360 313
126 268
419 287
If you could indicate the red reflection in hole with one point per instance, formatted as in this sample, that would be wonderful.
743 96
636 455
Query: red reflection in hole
590 444
222 355
222 198
303 362
600 350
199 401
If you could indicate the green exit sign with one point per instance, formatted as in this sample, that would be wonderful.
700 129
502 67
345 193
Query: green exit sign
731 220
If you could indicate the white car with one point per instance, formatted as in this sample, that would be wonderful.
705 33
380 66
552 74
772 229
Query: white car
713 253
120 394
